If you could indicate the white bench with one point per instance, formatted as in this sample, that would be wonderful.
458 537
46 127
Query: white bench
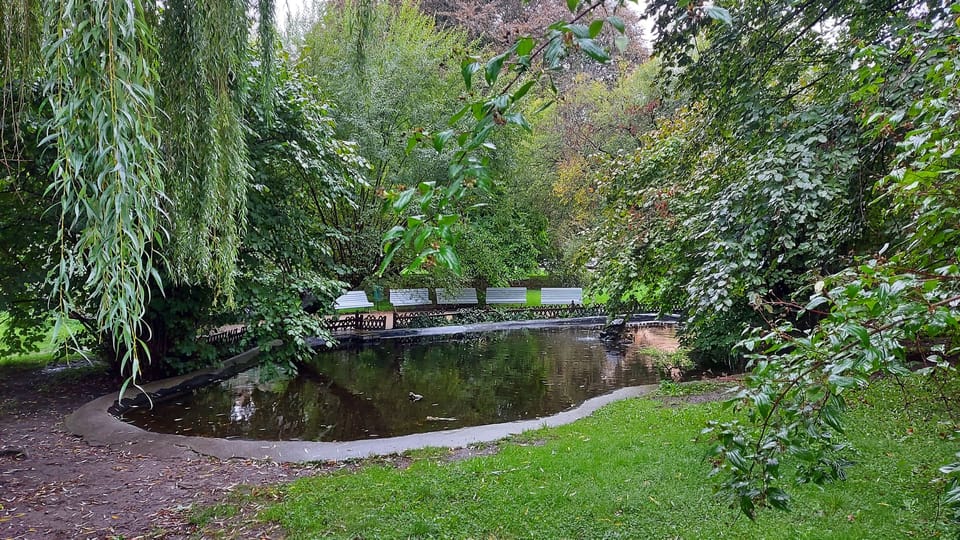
410 297
457 297
507 295
352 300
565 296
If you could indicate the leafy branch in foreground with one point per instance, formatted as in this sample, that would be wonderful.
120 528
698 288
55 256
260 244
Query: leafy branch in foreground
899 306
508 77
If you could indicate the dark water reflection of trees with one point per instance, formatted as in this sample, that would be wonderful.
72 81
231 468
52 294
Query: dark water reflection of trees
349 395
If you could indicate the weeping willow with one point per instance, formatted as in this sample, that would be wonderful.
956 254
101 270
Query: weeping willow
267 29
144 117
202 95
20 30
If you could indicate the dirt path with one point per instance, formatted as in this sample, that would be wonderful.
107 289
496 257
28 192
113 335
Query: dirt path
54 485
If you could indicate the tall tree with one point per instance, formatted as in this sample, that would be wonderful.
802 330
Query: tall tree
396 73
822 213
98 64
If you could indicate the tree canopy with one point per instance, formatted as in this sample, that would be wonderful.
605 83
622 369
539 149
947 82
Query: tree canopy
128 117
800 206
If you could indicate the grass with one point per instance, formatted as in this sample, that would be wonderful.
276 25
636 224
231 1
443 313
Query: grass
46 354
669 388
533 297
632 470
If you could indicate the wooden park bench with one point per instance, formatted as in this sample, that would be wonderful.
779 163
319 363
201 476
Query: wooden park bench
410 297
461 297
565 296
506 295
353 300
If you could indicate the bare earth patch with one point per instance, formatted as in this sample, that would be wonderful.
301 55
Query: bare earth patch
54 485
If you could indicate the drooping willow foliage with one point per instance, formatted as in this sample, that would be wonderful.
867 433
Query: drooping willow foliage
202 92
99 83
143 115
20 29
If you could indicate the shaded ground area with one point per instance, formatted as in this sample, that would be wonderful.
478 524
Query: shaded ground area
54 485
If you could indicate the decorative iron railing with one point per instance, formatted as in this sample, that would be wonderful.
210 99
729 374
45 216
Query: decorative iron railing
356 322
559 312
227 337
422 319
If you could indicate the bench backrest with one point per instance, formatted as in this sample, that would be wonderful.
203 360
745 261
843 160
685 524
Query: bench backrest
457 296
507 295
410 297
553 296
353 299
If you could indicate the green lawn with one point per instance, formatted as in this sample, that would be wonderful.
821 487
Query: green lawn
632 470
45 355
533 297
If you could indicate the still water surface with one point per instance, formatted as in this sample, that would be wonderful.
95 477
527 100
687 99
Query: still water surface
362 394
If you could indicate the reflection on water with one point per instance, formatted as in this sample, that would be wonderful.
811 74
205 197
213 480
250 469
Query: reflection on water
373 392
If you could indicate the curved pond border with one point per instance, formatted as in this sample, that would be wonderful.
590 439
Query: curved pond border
95 423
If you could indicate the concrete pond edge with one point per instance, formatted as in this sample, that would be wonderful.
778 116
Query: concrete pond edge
95 423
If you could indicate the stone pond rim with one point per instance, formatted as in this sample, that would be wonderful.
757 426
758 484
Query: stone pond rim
97 426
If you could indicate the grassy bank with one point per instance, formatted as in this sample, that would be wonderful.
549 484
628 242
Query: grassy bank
46 353
631 470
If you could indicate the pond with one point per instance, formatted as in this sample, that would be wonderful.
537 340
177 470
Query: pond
392 389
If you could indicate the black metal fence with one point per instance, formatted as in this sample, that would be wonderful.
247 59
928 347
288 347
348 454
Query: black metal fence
227 337
356 322
359 322
422 319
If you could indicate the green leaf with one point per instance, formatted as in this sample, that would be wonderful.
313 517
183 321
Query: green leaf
518 119
617 23
778 499
393 234
459 114
579 30
621 42
718 14
593 50
500 102
492 70
543 107
555 50
440 139
522 91
403 200
411 144
572 5
467 69
391 250
596 27
524 46
449 258
737 460
747 507
454 190
815 302
448 220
